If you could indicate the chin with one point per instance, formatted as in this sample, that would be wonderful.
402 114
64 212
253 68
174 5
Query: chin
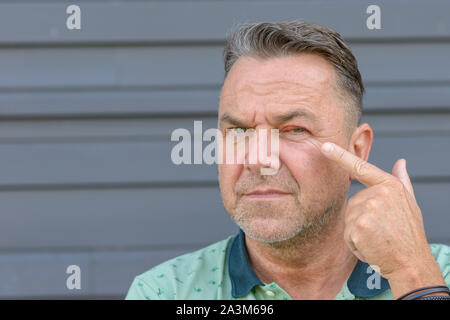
270 230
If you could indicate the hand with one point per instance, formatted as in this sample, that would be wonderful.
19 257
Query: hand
384 224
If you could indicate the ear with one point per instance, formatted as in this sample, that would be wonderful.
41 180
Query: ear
361 142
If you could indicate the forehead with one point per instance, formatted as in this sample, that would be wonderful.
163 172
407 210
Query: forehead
305 80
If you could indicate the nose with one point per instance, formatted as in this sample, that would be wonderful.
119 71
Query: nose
262 151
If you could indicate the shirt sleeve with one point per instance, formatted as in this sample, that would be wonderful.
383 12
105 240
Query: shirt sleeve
141 290
441 254
446 267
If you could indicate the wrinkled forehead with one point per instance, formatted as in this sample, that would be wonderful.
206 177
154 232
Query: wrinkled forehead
278 85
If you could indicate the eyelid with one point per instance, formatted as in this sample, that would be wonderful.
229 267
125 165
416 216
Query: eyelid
290 128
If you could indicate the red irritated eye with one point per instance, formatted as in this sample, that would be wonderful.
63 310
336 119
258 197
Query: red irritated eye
294 130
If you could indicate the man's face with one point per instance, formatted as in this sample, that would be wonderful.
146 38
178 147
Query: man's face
297 96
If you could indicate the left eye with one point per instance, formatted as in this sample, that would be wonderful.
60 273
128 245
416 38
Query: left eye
296 130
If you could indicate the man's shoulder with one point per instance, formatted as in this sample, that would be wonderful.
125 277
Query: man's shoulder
187 261
169 280
441 253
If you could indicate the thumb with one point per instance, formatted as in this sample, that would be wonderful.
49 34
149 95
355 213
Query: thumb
399 171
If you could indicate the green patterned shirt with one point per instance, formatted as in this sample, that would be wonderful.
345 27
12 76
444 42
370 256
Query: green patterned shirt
222 271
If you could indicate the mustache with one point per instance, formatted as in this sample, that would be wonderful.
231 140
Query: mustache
253 182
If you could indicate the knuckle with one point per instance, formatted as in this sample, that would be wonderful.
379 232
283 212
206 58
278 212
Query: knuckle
360 167
371 204
362 223
384 191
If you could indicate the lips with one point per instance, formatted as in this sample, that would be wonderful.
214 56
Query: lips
266 193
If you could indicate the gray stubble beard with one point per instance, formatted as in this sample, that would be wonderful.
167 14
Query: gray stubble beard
307 230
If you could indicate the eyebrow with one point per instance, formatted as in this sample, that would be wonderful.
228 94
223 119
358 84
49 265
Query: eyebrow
227 118
295 114
280 118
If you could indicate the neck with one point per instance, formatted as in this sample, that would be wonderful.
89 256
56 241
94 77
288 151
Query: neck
312 268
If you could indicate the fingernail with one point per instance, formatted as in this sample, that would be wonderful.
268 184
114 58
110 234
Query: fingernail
327 147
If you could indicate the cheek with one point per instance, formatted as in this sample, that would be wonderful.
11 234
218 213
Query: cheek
305 162
228 176
317 176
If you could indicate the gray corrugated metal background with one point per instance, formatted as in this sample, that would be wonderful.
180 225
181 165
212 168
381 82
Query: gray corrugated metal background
86 117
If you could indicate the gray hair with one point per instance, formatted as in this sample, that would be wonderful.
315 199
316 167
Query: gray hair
268 40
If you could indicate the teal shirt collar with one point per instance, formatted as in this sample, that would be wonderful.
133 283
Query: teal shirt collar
243 278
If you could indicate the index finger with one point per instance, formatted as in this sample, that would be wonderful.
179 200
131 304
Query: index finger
363 171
